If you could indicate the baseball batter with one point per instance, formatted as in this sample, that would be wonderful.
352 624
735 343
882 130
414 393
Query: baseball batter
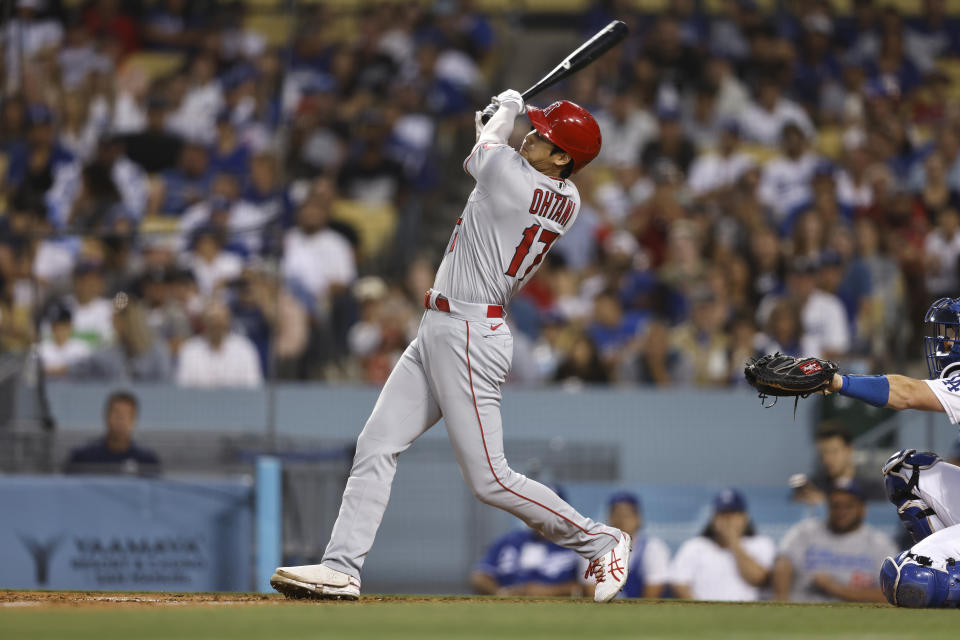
522 203
924 488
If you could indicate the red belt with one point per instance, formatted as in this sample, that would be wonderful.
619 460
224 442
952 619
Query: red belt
443 304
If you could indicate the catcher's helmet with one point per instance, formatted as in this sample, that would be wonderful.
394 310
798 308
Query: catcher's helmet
570 127
941 345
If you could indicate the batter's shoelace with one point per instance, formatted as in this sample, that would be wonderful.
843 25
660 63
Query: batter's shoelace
595 569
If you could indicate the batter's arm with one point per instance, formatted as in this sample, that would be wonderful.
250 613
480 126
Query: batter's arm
905 393
488 155
500 126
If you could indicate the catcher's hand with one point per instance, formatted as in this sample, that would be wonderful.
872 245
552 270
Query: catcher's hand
781 375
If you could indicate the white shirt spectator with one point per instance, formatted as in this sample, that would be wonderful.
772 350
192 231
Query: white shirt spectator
732 98
234 364
617 200
25 38
924 47
942 254
56 357
852 195
53 262
318 260
241 43
83 143
130 180
196 117
246 221
224 267
824 325
656 561
710 571
785 184
133 184
129 116
77 63
457 68
414 134
94 320
763 127
712 171
623 140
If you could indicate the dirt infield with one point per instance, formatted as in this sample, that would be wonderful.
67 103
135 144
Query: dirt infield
14 599
9 598
94 598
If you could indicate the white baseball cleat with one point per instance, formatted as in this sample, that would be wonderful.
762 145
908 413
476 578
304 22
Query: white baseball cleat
315 581
611 569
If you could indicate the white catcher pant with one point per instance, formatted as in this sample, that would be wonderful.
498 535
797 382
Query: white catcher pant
453 369
940 546
939 486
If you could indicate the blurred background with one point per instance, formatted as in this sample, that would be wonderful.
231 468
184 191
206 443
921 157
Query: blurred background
231 210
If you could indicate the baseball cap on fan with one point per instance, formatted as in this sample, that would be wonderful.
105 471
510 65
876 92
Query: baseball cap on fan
624 497
851 486
729 501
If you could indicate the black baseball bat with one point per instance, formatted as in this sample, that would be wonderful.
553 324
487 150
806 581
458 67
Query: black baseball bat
601 42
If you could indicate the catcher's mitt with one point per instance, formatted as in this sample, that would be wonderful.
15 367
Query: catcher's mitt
781 375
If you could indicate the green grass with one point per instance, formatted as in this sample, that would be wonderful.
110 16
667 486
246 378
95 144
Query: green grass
483 618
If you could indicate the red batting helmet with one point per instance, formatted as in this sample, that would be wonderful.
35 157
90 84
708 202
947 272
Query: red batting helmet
570 127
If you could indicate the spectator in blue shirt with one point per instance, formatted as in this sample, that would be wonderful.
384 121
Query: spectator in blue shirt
524 563
116 452
187 184
229 154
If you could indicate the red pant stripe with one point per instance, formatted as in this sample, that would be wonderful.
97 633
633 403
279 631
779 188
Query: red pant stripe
490 463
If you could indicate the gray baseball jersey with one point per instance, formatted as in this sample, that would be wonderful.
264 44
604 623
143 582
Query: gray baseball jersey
852 558
512 219
463 350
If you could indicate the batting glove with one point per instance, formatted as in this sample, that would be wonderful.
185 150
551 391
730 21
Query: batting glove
509 96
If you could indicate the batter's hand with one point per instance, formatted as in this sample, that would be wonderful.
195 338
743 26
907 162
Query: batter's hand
478 123
509 95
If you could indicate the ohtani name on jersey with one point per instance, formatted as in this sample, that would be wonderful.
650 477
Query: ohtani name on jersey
551 206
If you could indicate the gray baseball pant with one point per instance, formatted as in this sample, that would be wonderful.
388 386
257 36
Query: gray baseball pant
453 369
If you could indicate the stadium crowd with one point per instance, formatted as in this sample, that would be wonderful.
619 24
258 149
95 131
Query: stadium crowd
188 197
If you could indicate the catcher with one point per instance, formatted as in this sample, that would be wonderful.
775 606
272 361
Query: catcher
924 488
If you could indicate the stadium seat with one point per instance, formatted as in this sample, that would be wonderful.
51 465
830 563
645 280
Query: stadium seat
830 141
156 63
650 6
275 28
159 224
760 153
556 6
375 224
493 5
265 5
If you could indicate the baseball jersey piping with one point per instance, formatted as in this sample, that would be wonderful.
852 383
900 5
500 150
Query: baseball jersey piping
486 452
